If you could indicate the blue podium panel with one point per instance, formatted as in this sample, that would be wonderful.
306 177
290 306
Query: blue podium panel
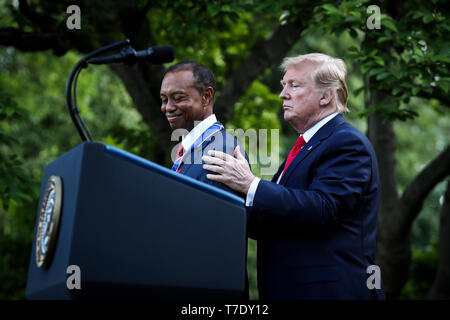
138 230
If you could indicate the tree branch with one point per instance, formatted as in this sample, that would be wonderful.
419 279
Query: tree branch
58 43
439 95
135 25
27 41
262 56
416 192
44 21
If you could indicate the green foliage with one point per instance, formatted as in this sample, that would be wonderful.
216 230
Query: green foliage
421 139
14 180
407 57
18 191
422 273
257 111
35 129
15 257
217 33
251 270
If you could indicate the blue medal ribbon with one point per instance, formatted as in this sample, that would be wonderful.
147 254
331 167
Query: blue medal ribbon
205 135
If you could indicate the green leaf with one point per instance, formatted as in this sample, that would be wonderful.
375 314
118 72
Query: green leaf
366 66
373 52
330 8
428 90
389 24
418 52
396 90
9 111
353 49
444 59
444 85
352 19
384 39
379 60
427 18
213 10
375 71
383 75
359 90
417 14
225 8
415 91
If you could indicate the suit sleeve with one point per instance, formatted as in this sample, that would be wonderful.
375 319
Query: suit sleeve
340 176
225 143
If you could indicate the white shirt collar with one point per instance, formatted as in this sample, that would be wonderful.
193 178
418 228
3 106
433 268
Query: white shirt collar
197 131
312 131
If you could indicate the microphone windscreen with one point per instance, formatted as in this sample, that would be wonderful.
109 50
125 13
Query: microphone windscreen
162 54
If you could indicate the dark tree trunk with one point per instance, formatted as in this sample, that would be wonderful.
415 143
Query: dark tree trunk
143 91
393 248
396 215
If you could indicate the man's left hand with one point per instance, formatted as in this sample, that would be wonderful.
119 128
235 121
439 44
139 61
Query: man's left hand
234 172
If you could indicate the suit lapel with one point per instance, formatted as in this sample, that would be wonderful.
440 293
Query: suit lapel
306 150
185 168
277 174
197 153
317 138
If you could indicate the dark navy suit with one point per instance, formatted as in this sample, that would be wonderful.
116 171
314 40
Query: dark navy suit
316 229
193 164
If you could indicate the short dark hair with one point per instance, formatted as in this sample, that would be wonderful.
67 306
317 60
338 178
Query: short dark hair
203 76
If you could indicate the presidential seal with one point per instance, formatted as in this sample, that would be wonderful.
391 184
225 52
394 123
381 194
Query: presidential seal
50 212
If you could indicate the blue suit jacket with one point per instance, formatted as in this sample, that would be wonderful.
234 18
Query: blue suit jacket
316 229
193 164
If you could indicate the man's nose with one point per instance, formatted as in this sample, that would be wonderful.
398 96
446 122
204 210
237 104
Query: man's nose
170 107
284 94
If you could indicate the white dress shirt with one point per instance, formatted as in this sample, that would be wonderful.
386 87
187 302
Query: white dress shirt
306 136
197 131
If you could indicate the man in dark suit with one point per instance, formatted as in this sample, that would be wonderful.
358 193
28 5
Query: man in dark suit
316 222
187 95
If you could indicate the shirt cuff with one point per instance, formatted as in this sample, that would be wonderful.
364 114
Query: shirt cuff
251 192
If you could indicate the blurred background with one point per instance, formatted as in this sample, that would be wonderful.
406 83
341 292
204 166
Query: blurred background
397 54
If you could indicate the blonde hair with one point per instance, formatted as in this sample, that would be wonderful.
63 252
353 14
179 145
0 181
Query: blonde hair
331 73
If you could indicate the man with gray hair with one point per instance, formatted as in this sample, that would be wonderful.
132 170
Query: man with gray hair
315 223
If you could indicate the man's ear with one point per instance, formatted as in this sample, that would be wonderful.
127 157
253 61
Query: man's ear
207 96
327 96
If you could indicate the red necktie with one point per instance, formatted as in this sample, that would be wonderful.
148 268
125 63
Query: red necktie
180 154
294 151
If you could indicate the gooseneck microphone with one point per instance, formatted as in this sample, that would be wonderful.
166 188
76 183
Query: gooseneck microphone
128 55
154 55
